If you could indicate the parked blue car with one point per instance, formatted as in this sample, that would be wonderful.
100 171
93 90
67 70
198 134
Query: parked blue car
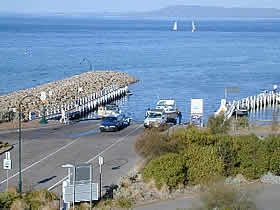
114 123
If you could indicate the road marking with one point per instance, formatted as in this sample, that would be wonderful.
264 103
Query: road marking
95 157
39 161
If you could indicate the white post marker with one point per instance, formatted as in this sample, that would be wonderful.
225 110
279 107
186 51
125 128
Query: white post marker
7 165
101 162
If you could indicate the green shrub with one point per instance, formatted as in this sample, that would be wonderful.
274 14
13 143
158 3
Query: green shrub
217 124
243 122
226 153
125 203
274 166
203 163
194 135
252 159
6 199
168 169
152 144
272 144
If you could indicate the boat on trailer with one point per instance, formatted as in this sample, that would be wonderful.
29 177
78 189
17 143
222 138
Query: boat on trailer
169 106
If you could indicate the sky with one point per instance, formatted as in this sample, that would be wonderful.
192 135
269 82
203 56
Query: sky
71 6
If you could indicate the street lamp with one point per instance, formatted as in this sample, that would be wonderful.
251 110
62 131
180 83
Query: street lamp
88 61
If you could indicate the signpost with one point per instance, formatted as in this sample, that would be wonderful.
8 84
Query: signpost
7 165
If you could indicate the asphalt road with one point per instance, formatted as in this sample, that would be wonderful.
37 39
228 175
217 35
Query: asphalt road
45 150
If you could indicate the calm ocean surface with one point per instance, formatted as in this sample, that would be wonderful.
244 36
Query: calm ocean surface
180 65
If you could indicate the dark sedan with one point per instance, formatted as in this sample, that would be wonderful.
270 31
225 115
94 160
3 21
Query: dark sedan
114 123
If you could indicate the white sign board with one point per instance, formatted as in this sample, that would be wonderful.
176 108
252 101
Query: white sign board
7 164
196 106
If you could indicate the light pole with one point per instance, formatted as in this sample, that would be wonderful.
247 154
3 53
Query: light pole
88 61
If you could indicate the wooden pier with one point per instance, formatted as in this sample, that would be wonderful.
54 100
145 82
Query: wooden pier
257 102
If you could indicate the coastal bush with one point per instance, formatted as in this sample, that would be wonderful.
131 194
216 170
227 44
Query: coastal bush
274 162
124 202
226 153
252 160
272 144
243 122
4 145
196 136
217 124
152 144
169 169
203 163
32 200
7 198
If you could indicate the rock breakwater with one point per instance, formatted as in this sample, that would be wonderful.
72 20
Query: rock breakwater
61 92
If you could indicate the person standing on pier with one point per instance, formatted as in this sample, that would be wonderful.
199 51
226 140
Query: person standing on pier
179 114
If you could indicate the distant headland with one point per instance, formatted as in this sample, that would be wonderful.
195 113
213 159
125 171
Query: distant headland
211 12
188 11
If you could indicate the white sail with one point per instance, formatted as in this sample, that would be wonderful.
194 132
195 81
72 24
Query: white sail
193 27
175 26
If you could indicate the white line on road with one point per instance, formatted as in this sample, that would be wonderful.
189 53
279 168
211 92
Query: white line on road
49 155
90 160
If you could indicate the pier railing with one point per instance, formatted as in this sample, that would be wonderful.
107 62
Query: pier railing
256 102
86 104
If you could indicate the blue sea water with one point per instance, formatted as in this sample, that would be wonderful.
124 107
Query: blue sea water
180 65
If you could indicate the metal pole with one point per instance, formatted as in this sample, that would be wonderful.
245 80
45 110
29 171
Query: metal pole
74 179
7 180
90 203
19 151
100 180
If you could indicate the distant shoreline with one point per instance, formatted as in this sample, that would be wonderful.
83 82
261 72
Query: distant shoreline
176 11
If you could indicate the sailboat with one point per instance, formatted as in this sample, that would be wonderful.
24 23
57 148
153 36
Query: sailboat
175 26
193 27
